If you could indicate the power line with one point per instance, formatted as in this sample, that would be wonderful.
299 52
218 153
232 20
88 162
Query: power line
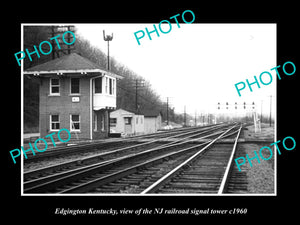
133 92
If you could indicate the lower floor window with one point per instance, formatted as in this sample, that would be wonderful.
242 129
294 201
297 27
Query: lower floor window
113 122
102 123
75 122
54 122
95 122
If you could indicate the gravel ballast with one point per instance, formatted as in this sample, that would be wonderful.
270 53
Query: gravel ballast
260 176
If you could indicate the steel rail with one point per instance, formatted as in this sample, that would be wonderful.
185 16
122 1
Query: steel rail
70 149
85 187
96 157
35 183
124 172
46 183
155 186
176 130
224 182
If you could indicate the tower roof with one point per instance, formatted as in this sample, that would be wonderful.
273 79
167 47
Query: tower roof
72 63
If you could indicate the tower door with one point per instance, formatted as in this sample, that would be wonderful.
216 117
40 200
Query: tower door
100 124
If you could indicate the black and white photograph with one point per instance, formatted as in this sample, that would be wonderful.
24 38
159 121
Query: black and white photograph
188 112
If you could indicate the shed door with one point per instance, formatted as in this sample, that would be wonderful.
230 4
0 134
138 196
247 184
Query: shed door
128 125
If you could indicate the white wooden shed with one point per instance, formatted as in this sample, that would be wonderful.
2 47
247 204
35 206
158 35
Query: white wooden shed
126 123
153 121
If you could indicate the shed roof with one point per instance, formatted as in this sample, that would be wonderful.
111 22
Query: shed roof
151 113
121 112
72 63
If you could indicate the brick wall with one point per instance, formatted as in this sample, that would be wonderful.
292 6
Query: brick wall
63 106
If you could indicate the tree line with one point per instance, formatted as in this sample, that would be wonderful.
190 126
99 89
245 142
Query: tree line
148 99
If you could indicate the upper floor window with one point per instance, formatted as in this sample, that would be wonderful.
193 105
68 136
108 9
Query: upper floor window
75 86
54 86
106 85
98 85
113 86
110 87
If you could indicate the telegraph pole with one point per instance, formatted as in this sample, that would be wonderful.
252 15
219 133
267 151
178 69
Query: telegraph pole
136 95
185 116
52 42
261 105
55 30
270 110
138 83
167 110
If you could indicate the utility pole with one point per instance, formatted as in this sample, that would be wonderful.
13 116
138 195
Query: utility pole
55 30
270 110
136 95
261 105
52 42
195 118
184 116
138 83
69 37
107 38
167 110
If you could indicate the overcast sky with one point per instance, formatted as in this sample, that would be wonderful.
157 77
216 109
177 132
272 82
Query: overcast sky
196 65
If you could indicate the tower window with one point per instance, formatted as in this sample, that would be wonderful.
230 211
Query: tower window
98 85
75 85
54 86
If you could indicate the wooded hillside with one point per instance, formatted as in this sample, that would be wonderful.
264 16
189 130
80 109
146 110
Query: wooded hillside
148 100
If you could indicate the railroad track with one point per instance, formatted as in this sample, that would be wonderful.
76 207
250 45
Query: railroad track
113 143
204 172
94 157
114 171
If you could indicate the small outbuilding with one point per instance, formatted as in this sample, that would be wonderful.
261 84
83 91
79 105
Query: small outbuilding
153 121
126 123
